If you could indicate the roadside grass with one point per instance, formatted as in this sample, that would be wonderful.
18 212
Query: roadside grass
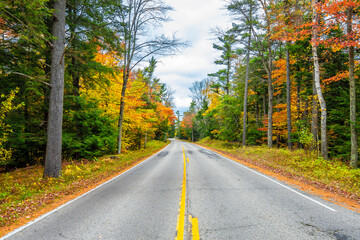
24 191
330 175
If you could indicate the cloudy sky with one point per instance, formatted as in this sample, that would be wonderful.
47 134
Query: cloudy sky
192 20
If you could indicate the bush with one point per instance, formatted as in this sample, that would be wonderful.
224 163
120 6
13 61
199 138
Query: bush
253 135
88 132
6 105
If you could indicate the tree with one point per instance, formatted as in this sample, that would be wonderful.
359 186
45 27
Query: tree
314 39
340 13
25 42
265 6
159 98
244 28
316 22
197 90
87 22
354 145
54 132
134 19
262 44
226 46
288 81
6 106
188 122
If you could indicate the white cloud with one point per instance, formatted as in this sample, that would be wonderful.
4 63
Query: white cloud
192 21
182 102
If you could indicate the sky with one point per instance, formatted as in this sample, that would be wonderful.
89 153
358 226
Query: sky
191 21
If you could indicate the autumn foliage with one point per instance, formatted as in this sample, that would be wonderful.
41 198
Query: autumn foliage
143 113
281 39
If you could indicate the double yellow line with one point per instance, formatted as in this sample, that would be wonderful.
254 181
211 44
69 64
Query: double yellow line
194 228
181 218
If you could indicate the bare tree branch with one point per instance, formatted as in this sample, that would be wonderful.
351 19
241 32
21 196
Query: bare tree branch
37 79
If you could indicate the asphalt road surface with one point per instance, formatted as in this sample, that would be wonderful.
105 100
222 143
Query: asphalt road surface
228 200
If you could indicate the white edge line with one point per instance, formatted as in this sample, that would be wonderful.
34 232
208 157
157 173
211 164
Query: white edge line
73 200
272 180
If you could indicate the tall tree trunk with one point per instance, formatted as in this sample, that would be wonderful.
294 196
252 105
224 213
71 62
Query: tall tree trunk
54 131
46 94
324 144
298 99
145 141
271 95
257 114
288 95
75 79
354 145
288 81
298 106
228 77
47 72
72 18
314 117
122 107
246 90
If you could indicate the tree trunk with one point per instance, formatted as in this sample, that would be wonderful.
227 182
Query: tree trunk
75 79
270 110
46 92
354 145
228 77
54 131
139 143
145 141
298 99
72 17
288 95
122 107
298 106
314 118
257 117
246 90
324 144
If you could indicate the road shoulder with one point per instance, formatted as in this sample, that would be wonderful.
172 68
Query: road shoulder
303 184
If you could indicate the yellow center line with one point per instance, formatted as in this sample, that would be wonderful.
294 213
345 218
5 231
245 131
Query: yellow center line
181 218
194 228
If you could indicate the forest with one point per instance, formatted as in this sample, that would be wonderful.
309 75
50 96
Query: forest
287 79
77 80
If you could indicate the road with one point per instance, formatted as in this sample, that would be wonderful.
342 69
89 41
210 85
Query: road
225 200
